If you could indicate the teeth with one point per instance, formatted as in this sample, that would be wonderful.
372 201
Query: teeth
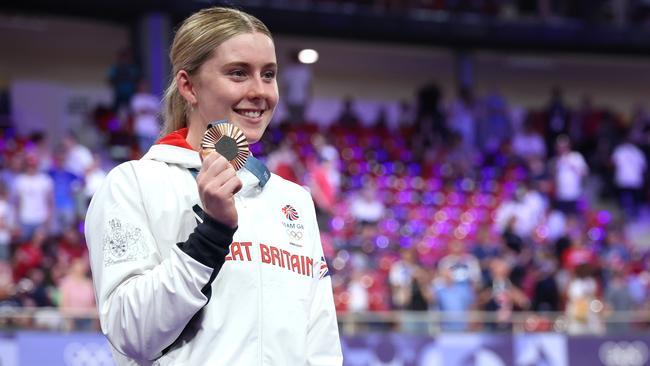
251 114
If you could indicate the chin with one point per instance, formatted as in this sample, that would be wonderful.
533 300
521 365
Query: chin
253 136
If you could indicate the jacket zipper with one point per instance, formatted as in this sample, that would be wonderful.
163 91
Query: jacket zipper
248 204
259 303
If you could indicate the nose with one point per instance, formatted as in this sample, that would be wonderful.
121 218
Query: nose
256 88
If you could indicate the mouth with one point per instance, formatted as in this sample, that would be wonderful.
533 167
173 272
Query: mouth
250 113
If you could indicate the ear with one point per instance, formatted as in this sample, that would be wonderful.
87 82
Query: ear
186 87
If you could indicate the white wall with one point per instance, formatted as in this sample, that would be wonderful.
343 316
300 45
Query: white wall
380 72
55 69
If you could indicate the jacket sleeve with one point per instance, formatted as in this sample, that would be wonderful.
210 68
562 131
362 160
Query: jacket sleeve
144 301
323 342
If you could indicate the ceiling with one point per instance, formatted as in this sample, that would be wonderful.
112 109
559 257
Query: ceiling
345 20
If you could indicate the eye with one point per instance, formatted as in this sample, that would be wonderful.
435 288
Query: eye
269 75
237 73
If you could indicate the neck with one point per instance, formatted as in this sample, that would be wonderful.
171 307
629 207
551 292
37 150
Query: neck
195 132
194 138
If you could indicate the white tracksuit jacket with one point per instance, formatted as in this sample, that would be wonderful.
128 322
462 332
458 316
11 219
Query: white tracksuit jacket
271 302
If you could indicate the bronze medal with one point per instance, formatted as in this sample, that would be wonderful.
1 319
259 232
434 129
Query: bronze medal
229 141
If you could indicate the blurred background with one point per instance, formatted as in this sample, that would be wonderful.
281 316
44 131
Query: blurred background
479 169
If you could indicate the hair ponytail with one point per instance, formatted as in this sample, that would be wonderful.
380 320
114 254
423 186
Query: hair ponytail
174 109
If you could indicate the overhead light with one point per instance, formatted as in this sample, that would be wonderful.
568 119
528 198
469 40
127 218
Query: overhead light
308 56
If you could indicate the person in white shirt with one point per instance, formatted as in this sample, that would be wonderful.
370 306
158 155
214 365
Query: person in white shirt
7 218
193 262
629 166
145 108
570 171
95 176
78 157
297 87
527 207
365 207
529 144
34 198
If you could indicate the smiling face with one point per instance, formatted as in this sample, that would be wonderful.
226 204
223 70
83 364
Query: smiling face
237 83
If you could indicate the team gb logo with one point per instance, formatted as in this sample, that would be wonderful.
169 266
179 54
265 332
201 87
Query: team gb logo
290 213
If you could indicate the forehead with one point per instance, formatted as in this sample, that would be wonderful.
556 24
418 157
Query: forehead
247 47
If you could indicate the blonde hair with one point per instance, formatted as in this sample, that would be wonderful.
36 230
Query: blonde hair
193 44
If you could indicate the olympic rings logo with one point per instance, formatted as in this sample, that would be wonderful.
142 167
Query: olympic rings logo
89 354
296 235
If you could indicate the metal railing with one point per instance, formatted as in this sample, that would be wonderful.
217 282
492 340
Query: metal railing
435 322
410 322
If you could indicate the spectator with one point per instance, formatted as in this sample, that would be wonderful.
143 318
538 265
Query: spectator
78 158
359 299
583 307
29 255
66 186
529 143
460 158
524 212
284 162
461 117
365 207
618 299
629 166
577 254
35 201
410 290
585 126
38 145
328 153
323 190
453 298
501 296
615 251
14 166
495 127
485 248
348 117
71 246
95 176
8 296
297 87
553 225
7 224
546 292
462 266
430 125
77 296
123 77
406 115
570 171
557 118
145 108
35 289
407 280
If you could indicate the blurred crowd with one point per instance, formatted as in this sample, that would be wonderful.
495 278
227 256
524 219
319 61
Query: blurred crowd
466 205
474 207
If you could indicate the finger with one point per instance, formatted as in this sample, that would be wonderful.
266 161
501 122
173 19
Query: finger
217 181
211 159
232 185
214 166
211 156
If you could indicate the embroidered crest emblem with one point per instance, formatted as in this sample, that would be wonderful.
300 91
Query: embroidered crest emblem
290 213
123 243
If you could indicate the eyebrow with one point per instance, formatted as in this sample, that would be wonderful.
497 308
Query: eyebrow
246 64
